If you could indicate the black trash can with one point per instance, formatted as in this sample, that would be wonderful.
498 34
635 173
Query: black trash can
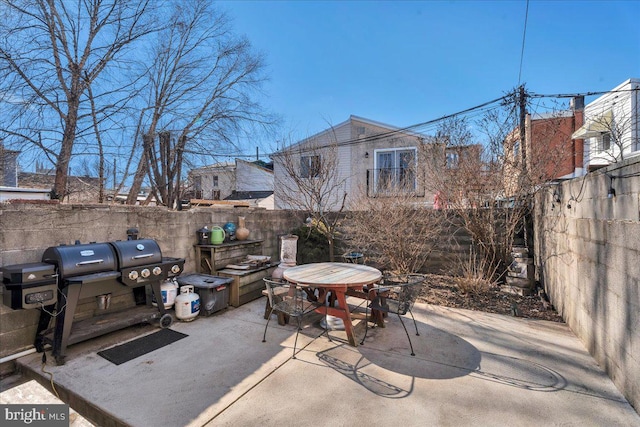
213 291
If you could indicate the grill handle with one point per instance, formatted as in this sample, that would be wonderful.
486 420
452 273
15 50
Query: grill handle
93 261
143 256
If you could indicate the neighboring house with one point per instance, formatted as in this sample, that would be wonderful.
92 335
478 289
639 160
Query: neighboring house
145 198
241 181
214 182
610 131
80 189
365 158
10 178
569 144
550 152
8 167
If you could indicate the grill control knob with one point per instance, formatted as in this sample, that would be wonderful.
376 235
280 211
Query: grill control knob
157 271
133 275
175 269
145 273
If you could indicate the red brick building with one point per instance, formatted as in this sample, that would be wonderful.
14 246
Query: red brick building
549 150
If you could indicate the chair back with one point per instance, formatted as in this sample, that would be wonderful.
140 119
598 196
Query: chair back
288 298
404 293
275 288
354 257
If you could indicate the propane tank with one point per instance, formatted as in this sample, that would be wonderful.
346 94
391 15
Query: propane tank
187 304
169 292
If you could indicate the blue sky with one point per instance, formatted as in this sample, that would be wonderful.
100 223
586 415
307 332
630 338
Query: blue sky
404 63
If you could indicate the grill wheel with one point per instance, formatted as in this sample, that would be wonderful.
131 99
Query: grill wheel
166 320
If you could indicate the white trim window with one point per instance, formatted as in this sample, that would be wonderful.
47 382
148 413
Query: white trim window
603 142
453 159
395 169
310 166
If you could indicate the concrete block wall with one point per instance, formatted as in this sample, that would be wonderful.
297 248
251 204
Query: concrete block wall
27 229
588 258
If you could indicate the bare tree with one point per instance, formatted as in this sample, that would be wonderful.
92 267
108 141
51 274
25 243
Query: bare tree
202 88
488 181
307 179
469 184
53 52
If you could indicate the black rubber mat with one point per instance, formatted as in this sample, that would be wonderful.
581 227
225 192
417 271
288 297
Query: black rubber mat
141 346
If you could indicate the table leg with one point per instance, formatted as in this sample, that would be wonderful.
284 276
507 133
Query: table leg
345 315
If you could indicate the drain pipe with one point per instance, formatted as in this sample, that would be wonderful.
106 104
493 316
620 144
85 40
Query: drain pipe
17 355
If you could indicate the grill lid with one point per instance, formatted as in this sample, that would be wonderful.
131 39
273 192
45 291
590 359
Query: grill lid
76 260
132 253
37 272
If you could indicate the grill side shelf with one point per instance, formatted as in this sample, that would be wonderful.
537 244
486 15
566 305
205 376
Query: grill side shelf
92 278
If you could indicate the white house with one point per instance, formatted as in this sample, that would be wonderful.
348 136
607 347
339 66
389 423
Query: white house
240 180
354 158
610 131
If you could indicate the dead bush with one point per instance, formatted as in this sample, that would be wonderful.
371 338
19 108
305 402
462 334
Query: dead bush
473 279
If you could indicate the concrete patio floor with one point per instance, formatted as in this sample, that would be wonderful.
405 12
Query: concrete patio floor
470 368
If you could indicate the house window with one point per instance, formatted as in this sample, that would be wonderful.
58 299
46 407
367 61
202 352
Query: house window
516 152
604 142
309 166
452 160
395 169
215 180
215 195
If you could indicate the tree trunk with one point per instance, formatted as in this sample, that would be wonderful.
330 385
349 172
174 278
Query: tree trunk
66 148
136 185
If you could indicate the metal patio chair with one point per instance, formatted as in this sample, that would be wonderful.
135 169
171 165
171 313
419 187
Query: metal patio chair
396 297
354 257
290 300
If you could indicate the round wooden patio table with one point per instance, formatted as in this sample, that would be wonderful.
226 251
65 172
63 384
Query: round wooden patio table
336 277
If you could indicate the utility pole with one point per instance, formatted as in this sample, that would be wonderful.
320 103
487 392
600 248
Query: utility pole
522 101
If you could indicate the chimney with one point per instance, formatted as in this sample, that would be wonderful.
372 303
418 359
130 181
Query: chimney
577 103
577 107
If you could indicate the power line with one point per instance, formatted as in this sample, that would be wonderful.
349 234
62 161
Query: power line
524 33
572 95
476 109
410 128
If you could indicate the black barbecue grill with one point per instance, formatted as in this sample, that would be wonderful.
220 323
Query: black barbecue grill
89 270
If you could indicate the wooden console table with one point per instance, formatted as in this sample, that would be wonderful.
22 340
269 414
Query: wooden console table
247 285
210 258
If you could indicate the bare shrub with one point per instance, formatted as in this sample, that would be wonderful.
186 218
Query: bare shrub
473 279
393 230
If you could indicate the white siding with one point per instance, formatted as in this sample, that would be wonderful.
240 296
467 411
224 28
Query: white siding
250 177
355 157
622 102
226 180
10 193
